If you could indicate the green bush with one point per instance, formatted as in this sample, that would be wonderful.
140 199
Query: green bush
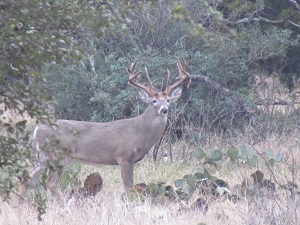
96 88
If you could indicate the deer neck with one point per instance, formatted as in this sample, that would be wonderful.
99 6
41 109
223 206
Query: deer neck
155 124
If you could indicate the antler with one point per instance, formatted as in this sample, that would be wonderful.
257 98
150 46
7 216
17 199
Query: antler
184 76
132 73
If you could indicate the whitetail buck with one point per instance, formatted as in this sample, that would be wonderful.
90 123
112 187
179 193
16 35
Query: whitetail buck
120 142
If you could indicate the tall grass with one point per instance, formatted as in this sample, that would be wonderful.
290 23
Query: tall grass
276 207
109 208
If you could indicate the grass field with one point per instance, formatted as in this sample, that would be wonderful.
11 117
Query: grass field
109 208
281 206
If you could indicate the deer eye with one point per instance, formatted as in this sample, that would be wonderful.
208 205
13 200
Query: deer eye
154 101
168 100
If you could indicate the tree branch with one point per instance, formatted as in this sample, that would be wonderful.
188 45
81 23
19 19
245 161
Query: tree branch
262 19
295 5
257 19
291 22
281 103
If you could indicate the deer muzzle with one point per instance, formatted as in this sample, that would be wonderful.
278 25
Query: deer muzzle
164 110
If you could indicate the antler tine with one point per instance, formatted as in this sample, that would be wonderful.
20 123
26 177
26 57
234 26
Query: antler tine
183 74
132 73
168 77
149 81
184 71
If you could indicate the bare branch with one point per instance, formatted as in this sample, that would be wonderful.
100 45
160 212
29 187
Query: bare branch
280 103
261 19
257 19
291 22
295 5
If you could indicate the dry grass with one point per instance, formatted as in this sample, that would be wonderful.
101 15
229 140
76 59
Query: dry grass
109 208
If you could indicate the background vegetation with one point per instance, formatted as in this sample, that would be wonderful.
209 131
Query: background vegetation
70 56
232 43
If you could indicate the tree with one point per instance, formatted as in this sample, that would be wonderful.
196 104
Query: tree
33 33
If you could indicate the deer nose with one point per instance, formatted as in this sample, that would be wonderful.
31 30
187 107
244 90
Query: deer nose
164 110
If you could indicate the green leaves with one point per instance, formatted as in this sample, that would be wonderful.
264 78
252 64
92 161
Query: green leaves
210 157
272 157
179 183
199 153
252 158
70 177
186 186
216 155
242 153
245 152
34 33
233 153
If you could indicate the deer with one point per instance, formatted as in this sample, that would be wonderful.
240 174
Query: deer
121 142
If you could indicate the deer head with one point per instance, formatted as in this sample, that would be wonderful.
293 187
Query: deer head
160 100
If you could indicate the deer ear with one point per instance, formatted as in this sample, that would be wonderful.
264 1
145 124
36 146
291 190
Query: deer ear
175 94
145 96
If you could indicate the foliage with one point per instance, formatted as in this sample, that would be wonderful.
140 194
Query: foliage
14 151
242 156
203 185
281 14
70 176
211 157
33 33
231 56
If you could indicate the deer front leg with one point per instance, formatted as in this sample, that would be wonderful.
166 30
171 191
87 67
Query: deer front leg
33 174
53 181
127 175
